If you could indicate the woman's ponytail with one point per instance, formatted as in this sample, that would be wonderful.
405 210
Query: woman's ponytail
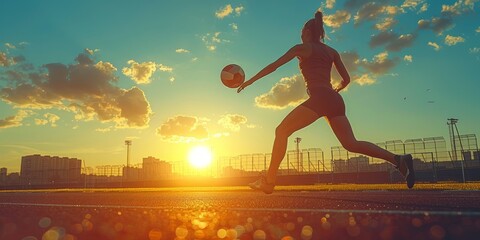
319 32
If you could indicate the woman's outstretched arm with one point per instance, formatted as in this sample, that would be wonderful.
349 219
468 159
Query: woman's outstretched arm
296 50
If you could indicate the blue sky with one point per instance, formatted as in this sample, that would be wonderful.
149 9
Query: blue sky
77 78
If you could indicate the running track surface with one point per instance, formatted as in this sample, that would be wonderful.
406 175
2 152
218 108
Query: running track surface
240 215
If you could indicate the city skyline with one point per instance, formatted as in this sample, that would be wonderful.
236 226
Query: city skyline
79 85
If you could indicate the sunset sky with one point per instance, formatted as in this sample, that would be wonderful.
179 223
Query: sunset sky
78 78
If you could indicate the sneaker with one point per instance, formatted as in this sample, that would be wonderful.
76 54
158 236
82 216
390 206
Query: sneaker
405 166
262 185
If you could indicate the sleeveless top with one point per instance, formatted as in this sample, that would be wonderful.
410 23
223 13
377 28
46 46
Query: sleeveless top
317 67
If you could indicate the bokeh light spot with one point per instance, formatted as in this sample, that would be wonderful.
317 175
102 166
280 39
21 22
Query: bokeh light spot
221 233
181 232
437 232
259 235
44 222
307 232
231 233
155 234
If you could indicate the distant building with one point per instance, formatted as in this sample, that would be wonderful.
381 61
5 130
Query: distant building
13 179
132 174
354 164
3 176
42 170
154 169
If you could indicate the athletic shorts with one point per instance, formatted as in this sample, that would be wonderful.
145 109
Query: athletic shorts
325 102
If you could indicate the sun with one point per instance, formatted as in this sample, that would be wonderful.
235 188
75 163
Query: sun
200 156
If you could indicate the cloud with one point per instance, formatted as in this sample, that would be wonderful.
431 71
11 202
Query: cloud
437 25
451 40
454 9
6 61
382 38
9 45
85 88
424 8
91 51
435 46
16 120
223 12
181 50
362 71
12 46
365 79
373 10
48 118
330 4
134 109
183 129
408 58
459 7
351 60
142 72
368 11
403 41
477 30
380 64
211 40
411 3
164 68
14 76
393 10
239 10
104 130
290 91
337 19
233 122
386 24
234 26
228 10
354 5
392 41
474 50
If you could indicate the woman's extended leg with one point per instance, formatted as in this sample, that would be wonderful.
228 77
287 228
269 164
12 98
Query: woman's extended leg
297 119
342 129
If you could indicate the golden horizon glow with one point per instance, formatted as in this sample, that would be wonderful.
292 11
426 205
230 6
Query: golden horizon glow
200 156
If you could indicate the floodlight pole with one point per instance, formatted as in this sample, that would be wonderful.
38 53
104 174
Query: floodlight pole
85 178
297 141
452 122
128 143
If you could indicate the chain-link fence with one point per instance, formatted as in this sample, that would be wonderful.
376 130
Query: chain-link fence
432 161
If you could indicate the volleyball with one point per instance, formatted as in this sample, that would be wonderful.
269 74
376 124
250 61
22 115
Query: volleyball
232 76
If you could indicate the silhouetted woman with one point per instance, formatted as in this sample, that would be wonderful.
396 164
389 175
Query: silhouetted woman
315 62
